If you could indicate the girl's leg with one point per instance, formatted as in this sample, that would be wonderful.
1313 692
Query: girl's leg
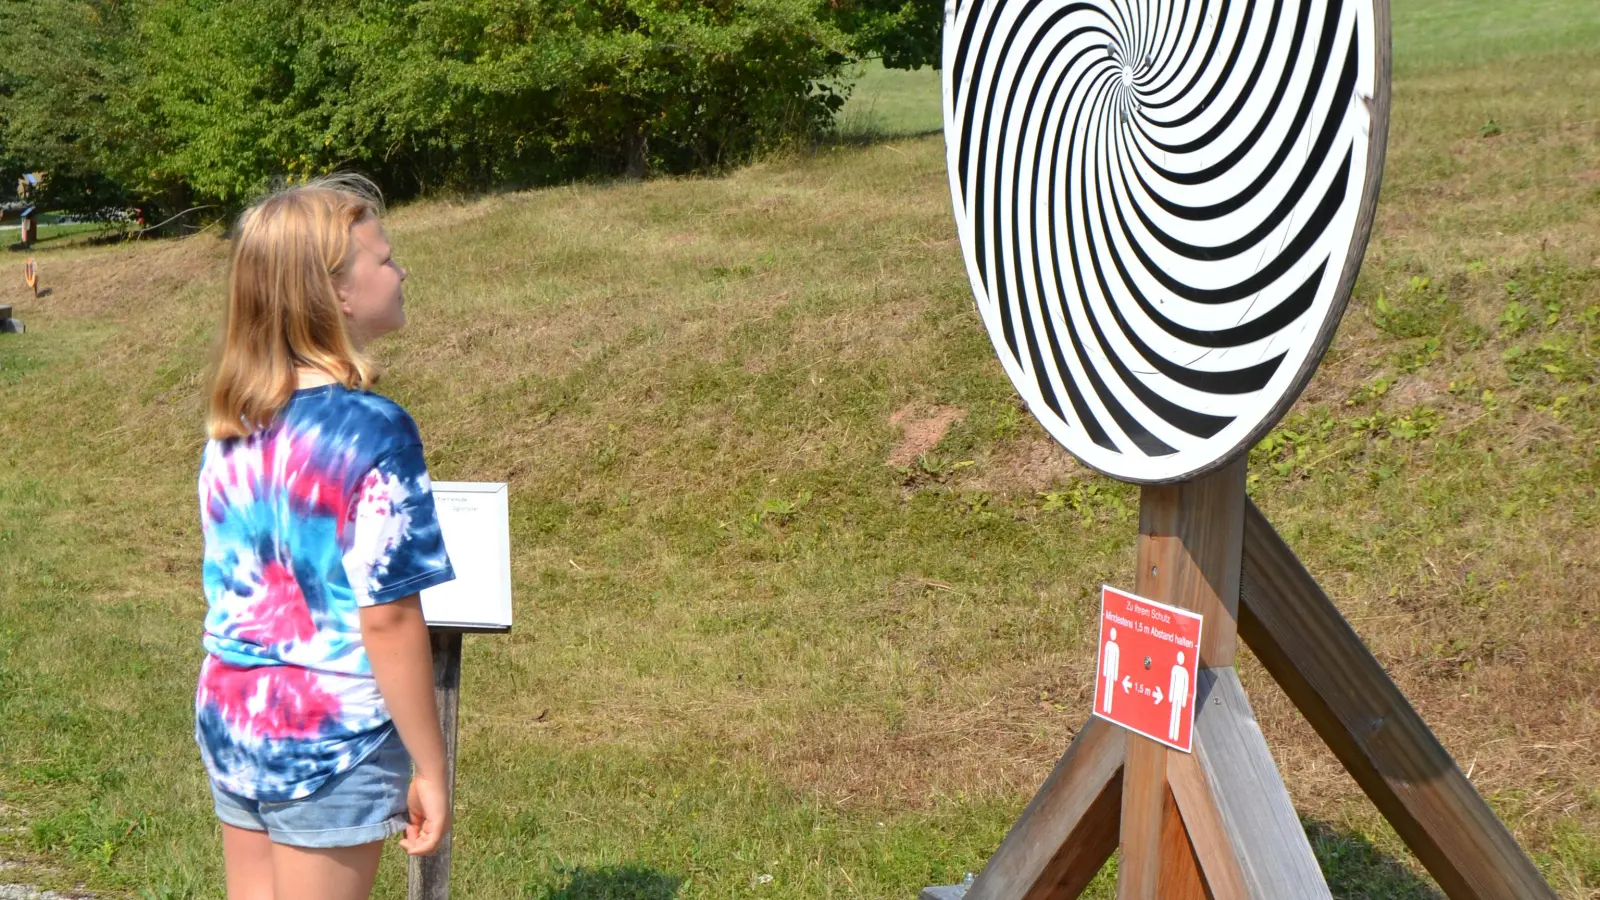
332 873
248 857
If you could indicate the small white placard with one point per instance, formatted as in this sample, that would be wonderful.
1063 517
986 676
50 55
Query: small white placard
475 519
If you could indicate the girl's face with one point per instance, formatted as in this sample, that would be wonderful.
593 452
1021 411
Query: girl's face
369 291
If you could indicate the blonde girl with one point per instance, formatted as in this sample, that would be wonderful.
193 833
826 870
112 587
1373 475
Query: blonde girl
316 696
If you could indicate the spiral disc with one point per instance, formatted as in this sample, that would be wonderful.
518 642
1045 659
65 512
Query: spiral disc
1163 205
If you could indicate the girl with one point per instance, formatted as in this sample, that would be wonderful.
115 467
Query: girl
316 694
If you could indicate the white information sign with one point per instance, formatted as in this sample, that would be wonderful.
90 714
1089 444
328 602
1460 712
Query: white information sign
475 519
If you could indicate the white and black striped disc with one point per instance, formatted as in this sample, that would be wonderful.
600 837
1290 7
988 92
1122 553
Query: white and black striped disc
1163 205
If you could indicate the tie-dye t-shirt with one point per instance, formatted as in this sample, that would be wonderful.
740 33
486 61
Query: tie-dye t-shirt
327 510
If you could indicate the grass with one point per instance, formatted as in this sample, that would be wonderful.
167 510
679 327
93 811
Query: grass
1430 35
748 646
56 233
891 103
1462 33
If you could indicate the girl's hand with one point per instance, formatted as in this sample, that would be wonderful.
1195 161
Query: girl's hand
396 637
429 805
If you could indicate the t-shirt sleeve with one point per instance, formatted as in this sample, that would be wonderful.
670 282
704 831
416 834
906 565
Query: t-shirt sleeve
395 546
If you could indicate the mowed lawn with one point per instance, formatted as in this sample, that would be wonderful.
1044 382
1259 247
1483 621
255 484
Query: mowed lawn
804 598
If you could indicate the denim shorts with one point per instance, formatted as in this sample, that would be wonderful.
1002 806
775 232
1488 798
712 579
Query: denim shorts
365 804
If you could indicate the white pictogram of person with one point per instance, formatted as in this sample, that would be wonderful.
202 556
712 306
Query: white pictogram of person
1177 695
1108 669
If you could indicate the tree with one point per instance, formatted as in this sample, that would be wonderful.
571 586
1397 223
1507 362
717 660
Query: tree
217 99
905 34
470 93
65 102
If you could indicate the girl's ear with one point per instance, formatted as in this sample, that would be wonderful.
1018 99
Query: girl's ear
343 296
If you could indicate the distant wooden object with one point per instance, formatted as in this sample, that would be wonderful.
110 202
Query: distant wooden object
429 876
1219 824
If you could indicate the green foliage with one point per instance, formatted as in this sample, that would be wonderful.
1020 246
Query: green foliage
65 107
466 93
1097 500
222 97
1420 311
904 34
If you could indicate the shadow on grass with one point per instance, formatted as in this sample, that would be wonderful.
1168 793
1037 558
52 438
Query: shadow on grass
616 883
1357 870
1353 868
866 137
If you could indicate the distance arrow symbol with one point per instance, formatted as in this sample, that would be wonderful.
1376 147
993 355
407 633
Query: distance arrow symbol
1158 695
1127 684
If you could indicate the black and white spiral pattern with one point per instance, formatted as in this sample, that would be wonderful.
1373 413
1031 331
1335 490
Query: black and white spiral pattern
1162 204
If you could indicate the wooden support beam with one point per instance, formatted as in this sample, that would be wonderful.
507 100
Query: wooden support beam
1299 635
1144 790
429 876
1203 822
1180 869
1068 830
1189 547
1258 819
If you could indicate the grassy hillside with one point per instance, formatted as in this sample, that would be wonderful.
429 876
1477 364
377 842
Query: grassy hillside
802 591
1429 36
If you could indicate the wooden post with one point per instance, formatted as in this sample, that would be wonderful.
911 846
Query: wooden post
1190 535
1333 679
1189 538
429 876
1144 793
1219 824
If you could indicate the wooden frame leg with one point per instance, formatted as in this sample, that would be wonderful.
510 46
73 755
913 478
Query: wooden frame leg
1181 878
1258 819
1207 834
428 877
1068 830
1331 676
1158 860
1219 824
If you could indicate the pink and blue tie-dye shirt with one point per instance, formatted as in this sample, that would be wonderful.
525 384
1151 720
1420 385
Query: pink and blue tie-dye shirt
327 510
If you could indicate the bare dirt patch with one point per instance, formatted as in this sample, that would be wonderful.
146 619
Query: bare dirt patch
1420 391
15 875
1026 467
921 431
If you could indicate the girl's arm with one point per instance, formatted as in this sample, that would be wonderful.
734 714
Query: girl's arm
396 639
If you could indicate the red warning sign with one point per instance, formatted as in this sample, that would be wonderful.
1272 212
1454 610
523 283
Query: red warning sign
1149 657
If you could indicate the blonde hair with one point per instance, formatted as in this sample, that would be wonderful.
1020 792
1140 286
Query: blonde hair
289 250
